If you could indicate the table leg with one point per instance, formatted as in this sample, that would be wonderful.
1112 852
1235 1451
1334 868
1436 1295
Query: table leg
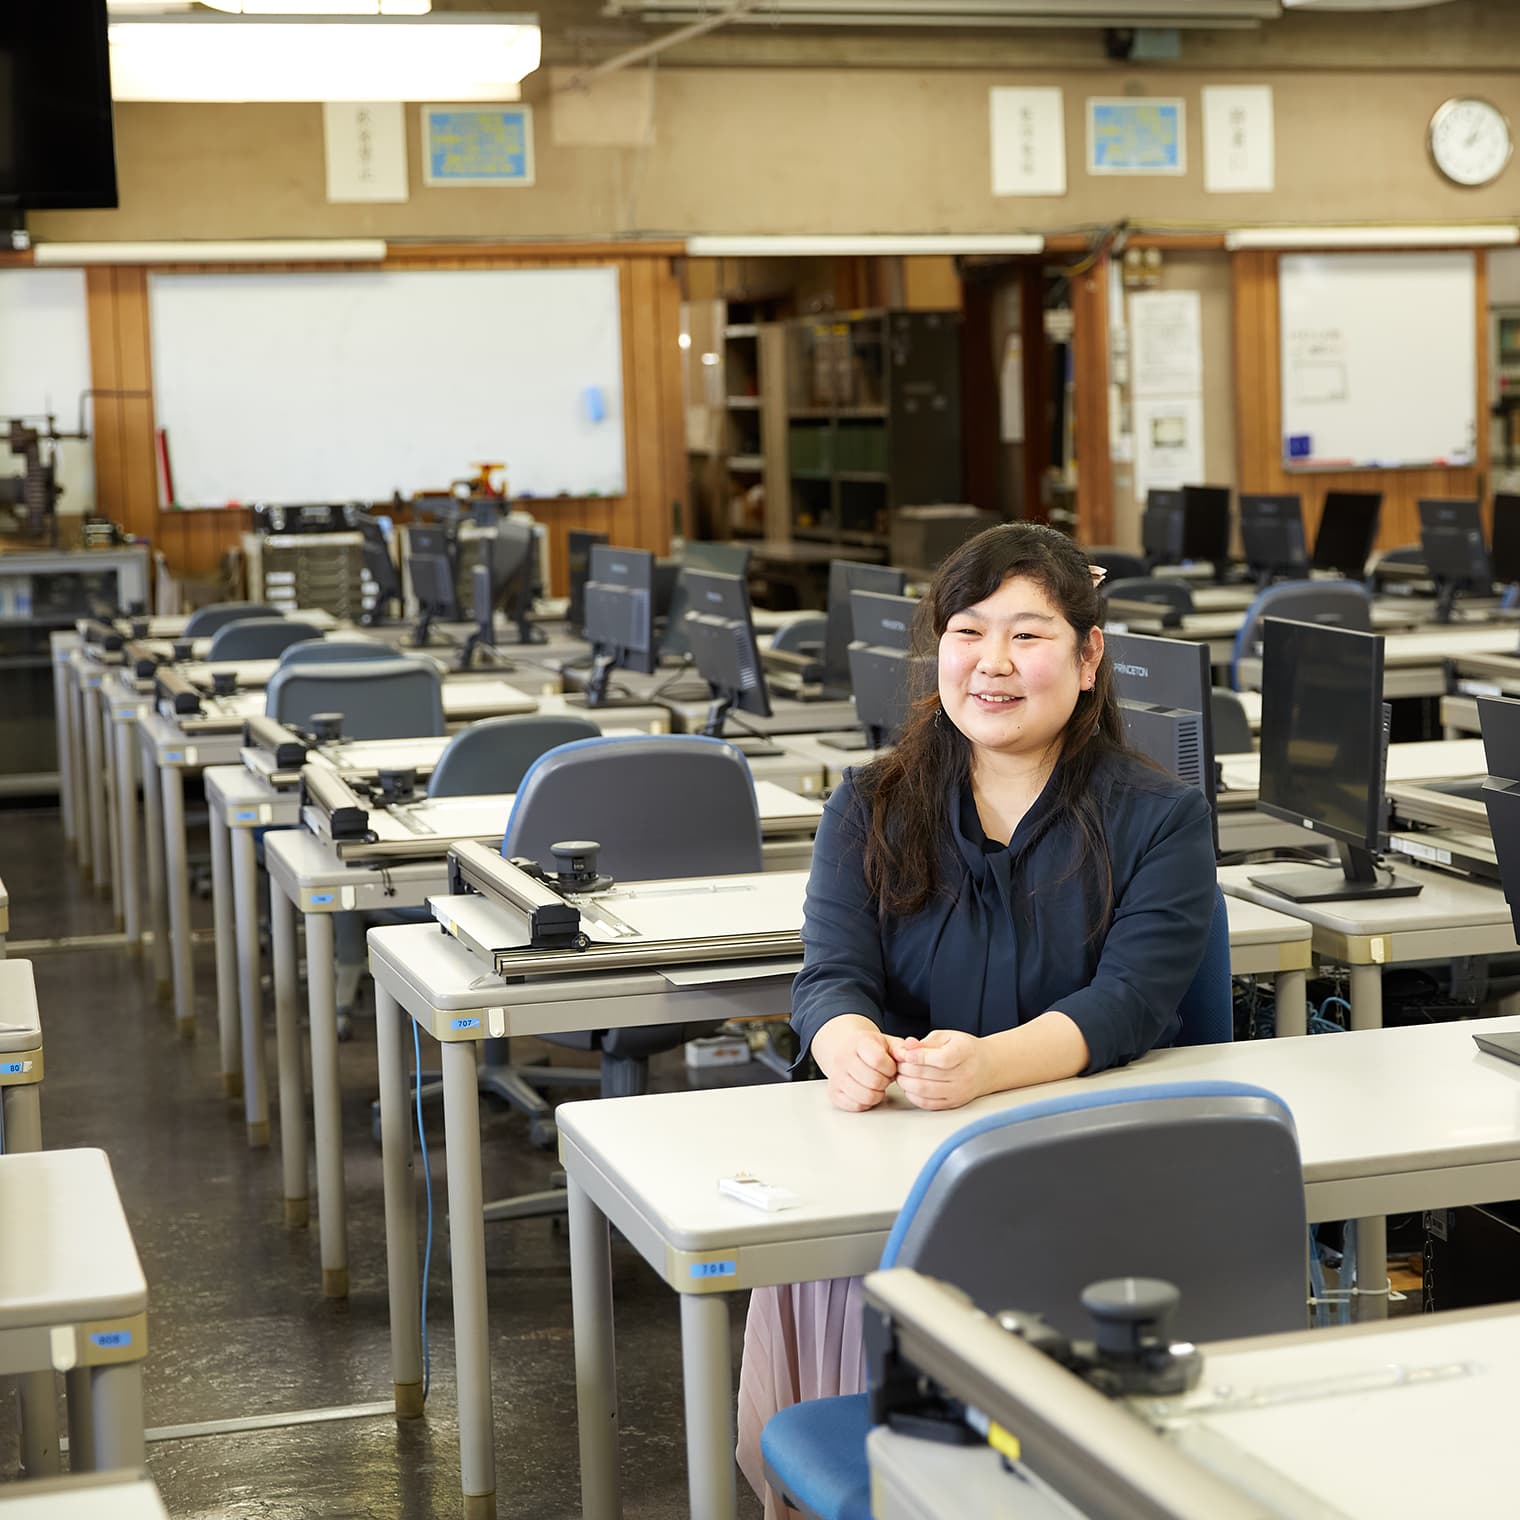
113 833
1371 1301
245 898
1366 997
62 715
1292 1003
21 1108
39 1424
76 1382
403 1278
177 886
116 1406
467 1255
158 896
100 850
81 788
326 1103
287 1038
226 947
707 1370
126 831
595 1357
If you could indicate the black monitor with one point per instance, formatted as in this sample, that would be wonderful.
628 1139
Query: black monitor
881 663
375 535
578 561
1206 526
1272 535
722 559
1161 527
1451 534
1499 723
721 633
1499 719
619 616
505 578
1347 531
847 576
1505 548
1164 688
430 561
1324 738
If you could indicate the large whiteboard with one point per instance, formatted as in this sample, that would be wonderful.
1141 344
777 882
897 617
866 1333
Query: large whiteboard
1379 359
340 386
45 366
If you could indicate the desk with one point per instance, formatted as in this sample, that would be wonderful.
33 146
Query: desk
441 986
788 716
1364 1150
85 1496
1423 760
1414 664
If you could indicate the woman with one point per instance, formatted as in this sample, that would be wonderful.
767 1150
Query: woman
1010 896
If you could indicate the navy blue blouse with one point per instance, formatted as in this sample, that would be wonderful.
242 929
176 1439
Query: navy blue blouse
1011 933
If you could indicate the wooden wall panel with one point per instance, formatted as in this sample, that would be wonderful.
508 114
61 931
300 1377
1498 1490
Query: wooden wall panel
1258 402
1090 318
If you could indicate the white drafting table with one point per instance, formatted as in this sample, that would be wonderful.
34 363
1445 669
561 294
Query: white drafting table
112 1496
92 837
815 749
307 875
446 991
1264 942
788 716
632 1163
73 1296
1424 760
1414 663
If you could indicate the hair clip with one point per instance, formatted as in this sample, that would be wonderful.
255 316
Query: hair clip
1098 573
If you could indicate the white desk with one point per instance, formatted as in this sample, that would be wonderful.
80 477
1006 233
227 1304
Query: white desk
1425 760
443 989
61 646
1414 663
1365 1151
85 1496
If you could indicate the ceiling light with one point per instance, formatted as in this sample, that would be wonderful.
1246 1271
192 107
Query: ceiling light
222 58
1453 235
885 244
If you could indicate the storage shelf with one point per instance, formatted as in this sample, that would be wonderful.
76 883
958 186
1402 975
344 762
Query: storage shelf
825 413
810 475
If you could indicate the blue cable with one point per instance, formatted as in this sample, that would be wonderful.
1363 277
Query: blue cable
427 1181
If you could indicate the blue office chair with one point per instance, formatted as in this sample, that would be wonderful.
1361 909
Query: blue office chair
804 635
320 651
398 698
1339 604
1232 728
1175 598
1408 558
260 638
202 624
1197 1183
495 754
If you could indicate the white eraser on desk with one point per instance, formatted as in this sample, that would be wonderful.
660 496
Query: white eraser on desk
759 1195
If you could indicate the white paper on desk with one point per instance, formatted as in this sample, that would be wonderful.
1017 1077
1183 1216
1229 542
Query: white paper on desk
731 971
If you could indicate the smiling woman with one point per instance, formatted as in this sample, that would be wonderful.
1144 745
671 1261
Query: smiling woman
1009 897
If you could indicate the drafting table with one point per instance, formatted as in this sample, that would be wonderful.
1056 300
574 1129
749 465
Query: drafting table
632 1164
442 986
1425 760
1414 664
86 1496
788 716
308 875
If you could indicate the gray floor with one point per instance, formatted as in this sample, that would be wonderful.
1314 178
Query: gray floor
237 1324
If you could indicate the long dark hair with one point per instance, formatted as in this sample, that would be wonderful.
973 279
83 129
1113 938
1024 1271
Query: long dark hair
906 792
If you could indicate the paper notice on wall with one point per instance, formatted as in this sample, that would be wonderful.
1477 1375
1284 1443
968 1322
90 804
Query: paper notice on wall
1012 388
1028 141
1238 152
366 150
1166 342
1168 442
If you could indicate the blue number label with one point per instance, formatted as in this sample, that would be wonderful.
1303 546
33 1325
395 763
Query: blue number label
715 1269
321 897
108 1340
465 1024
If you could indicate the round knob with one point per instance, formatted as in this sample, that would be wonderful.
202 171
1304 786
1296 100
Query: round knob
396 785
137 609
575 860
327 726
1129 1314
139 628
224 682
183 649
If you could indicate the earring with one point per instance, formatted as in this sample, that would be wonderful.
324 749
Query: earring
939 717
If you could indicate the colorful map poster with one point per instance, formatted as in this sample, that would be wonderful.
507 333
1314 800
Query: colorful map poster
477 145
1136 136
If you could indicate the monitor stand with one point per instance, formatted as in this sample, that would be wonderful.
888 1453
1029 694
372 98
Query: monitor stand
1360 879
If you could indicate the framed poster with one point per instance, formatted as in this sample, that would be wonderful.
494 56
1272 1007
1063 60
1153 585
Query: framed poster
477 145
1136 136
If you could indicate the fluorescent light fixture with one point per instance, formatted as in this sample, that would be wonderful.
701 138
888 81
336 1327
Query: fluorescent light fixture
453 57
322 7
869 243
293 251
968 13
1455 236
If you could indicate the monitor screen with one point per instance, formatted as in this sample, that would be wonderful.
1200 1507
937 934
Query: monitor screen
578 561
1206 525
721 633
619 614
724 559
847 576
56 145
1161 526
1272 535
882 668
1451 535
430 562
1347 531
1499 722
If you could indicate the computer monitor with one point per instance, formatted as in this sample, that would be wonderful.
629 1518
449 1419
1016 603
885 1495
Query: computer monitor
1206 526
1272 535
722 559
1324 737
1161 527
375 536
578 560
1499 720
845 577
1164 689
721 633
505 578
1499 723
430 562
1347 531
1451 534
881 663
619 616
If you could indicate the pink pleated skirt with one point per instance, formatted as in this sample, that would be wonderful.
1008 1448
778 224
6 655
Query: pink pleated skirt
801 1341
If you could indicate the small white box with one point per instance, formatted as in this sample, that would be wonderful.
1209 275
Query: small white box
717 1050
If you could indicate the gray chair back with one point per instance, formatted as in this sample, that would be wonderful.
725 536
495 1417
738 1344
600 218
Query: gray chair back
203 623
320 651
1339 604
659 805
494 754
1175 596
260 638
804 635
1120 563
1232 729
379 699
1197 1183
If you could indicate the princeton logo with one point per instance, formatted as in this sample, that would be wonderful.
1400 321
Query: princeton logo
1131 670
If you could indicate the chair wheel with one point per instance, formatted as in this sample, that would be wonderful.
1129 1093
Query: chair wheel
544 1133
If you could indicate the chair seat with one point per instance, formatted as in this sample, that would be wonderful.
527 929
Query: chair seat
815 1453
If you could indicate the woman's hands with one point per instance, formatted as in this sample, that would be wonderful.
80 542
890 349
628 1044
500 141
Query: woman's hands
857 1059
945 1069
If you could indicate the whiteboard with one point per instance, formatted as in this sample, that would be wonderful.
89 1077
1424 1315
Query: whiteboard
341 386
1379 360
44 367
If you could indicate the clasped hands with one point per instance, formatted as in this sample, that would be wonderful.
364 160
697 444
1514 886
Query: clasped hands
945 1069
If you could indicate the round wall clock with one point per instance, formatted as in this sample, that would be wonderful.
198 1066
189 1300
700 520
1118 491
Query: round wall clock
1469 140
